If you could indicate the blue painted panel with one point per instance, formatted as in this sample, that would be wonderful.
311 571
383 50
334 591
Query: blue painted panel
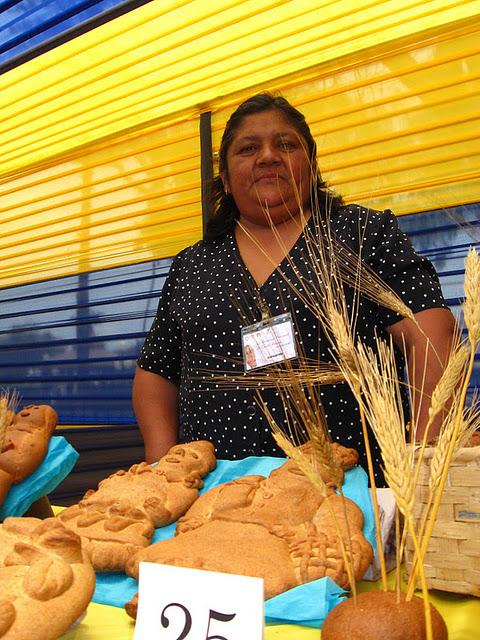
73 342
28 24
444 237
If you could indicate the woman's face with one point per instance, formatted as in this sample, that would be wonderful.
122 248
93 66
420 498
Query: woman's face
267 168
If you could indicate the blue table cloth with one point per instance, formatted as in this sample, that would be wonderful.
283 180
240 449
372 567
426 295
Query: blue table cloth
57 464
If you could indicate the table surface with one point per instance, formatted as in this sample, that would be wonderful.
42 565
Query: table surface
461 614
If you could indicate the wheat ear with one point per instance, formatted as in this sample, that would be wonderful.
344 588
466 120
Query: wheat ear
345 349
471 307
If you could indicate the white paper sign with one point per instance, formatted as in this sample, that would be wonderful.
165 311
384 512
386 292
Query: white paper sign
188 604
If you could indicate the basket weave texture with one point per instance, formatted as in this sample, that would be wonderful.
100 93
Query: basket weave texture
452 562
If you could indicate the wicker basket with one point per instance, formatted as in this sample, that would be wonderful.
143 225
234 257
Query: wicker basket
453 558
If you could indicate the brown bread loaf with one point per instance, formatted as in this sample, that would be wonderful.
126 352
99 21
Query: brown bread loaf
25 445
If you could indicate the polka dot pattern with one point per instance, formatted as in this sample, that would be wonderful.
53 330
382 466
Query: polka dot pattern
209 296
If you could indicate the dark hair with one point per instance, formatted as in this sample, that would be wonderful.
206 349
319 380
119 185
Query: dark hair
224 209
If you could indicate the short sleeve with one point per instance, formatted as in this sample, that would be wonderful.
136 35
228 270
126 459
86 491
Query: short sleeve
376 236
161 351
390 253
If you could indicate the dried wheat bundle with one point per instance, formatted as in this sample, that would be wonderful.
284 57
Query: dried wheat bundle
374 382
371 374
459 421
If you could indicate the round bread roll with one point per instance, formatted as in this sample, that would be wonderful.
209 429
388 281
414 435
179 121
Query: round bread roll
377 615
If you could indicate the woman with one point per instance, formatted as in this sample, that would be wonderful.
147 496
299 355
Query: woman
227 284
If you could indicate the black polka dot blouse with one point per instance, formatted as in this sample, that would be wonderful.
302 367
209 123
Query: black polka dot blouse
209 296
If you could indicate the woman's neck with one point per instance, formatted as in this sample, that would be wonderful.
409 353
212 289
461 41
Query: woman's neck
263 247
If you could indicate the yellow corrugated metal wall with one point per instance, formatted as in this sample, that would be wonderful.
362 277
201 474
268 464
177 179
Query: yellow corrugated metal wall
398 129
100 143
127 200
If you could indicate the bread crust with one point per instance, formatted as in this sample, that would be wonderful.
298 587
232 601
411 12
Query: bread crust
26 444
46 579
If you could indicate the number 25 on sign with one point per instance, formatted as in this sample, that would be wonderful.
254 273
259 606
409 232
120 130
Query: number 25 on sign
188 604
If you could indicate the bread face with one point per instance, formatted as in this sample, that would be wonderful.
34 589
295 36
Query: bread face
46 580
279 528
119 518
26 444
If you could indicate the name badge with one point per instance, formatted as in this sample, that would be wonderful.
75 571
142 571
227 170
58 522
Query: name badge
175 603
268 341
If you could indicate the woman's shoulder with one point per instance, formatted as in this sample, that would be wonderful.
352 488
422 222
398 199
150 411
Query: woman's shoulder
352 213
351 218
198 252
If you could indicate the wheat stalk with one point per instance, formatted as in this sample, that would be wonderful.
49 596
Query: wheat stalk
447 434
306 373
371 376
347 355
471 420
296 454
344 344
452 375
304 414
444 391
380 401
359 275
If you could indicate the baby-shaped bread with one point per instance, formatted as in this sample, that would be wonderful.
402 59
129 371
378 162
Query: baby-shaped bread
119 518
279 528
46 580
25 445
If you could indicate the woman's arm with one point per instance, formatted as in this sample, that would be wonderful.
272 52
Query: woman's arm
427 349
155 403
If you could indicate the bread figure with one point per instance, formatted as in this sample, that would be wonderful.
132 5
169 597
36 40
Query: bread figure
109 537
278 528
119 518
25 444
46 580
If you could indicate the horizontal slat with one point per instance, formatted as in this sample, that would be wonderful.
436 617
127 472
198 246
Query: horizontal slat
401 131
169 57
26 25
396 126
